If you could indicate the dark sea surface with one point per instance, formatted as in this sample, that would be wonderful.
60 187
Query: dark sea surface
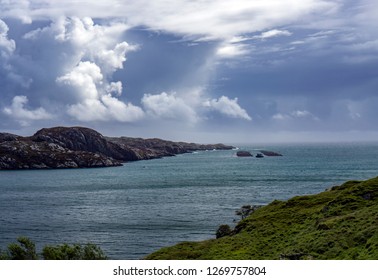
131 211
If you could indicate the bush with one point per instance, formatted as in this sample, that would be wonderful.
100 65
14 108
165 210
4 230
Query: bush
25 250
3 256
223 230
246 210
73 252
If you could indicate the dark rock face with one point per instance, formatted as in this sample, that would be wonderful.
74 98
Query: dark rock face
8 137
244 154
43 155
75 147
84 139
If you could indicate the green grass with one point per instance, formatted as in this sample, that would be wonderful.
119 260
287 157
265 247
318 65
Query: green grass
341 223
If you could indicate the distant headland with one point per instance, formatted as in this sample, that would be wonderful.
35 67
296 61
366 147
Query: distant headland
81 147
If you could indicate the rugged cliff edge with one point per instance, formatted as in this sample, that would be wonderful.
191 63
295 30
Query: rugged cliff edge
75 147
340 223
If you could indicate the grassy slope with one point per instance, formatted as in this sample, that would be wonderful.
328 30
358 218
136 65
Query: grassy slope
341 223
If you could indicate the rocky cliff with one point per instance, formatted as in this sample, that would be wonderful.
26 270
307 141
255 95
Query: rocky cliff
75 147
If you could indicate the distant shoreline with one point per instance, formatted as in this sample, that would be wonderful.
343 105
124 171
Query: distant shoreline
81 147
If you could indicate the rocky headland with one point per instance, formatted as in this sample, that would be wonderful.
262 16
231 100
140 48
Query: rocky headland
81 147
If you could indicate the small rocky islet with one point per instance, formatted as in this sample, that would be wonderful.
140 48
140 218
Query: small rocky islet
260 154
81 147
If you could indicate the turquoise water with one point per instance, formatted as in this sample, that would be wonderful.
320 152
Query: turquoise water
132 210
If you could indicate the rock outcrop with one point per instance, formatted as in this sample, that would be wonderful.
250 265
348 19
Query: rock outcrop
8 137
84 139
75 147
270 153
27 154
243 154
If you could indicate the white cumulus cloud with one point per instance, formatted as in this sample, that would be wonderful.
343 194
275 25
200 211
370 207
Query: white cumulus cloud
18 111
7 46
104 109
95 55
228 107
95 100
168 106
191 106
85 78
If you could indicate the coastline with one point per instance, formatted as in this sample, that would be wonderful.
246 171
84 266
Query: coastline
339 223
81 147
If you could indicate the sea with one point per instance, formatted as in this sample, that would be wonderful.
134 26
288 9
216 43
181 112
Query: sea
133 210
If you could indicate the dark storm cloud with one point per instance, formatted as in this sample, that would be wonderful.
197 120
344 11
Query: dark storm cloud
164 63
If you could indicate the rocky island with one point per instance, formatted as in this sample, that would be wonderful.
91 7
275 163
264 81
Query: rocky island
243 154
81 147
261 154
270 153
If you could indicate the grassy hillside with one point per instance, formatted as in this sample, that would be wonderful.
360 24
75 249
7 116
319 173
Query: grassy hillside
341 223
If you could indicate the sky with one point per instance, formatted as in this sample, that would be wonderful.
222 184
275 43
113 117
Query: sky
242 71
